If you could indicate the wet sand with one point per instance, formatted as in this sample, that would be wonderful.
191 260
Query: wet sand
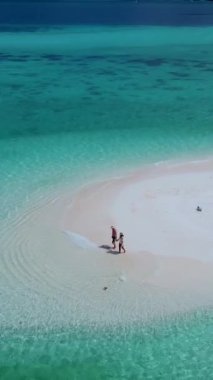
57 255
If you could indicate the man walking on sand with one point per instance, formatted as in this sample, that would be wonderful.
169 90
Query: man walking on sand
114 236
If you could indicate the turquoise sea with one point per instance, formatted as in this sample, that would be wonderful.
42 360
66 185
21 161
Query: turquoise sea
79 103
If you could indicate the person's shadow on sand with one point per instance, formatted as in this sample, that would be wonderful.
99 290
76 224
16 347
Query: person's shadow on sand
109 249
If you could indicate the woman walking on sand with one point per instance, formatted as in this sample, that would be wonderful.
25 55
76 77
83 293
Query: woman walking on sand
121 243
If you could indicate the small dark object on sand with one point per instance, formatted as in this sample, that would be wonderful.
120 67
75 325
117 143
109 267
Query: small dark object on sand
105 288
199 208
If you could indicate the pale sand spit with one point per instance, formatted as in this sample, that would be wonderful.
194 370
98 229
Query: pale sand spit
59 252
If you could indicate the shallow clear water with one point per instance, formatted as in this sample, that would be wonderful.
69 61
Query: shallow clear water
78 104
76 99
176 349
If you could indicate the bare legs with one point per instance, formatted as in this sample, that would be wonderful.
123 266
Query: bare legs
121 247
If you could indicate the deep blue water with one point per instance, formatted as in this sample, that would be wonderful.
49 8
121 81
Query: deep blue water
107 13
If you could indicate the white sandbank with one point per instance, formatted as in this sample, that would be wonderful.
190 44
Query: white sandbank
155 209
55 262
169 243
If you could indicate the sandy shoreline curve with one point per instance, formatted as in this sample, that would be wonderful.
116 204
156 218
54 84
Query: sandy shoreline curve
58 262
156 208
167 239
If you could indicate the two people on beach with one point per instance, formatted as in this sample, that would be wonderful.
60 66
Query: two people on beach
120 239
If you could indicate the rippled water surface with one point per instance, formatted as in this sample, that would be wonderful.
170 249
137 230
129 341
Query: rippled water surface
79 103
179 349
81 98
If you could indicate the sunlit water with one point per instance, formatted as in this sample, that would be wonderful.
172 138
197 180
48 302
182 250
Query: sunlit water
179 349
79 104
